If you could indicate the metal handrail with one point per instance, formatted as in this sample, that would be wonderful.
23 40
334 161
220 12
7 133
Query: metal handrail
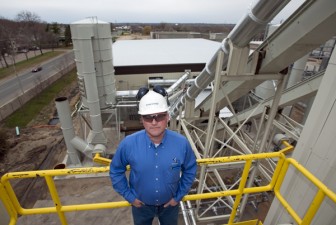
14 208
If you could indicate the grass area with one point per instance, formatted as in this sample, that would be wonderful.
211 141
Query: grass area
26 64
31 109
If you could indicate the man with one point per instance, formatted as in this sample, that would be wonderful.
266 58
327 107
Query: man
163 165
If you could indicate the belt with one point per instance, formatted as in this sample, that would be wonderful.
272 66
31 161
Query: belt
155 205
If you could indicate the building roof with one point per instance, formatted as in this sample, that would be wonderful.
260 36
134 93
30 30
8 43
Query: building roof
163 51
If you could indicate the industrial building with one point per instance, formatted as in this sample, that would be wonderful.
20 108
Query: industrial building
143 60
260 119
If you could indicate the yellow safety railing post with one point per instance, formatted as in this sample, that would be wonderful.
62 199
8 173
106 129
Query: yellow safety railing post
282 200
313 179
241 190
104 161
56 199
11 194
8 205
319 197
314 206
277 171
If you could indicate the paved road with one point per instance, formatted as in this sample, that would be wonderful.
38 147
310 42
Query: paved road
22 56
16 85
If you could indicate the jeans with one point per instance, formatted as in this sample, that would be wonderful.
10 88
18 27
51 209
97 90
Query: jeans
146 213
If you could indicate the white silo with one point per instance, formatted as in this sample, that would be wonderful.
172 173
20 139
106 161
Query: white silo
91 36
92 43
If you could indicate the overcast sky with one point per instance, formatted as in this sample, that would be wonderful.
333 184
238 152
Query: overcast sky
142 11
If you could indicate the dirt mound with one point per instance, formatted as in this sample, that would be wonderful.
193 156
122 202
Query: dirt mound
30 148
38 146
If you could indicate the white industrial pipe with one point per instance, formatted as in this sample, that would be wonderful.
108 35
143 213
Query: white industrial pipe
173 83
252 23
63 109
127 94
184 213
190 208
82 146
162 82
168 82
74 143
182 79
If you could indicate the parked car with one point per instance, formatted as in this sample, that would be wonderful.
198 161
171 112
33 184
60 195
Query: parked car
36 69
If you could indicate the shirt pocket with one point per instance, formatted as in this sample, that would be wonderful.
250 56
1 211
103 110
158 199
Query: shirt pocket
173 173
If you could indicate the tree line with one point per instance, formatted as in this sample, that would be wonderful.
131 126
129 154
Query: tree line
28 32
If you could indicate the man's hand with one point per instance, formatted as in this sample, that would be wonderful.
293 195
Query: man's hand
137 203
172 202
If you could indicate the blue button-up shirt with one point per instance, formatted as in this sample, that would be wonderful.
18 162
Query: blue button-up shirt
157 174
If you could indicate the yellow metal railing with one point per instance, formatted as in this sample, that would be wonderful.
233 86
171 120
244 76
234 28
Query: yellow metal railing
322 192
14 208
8 205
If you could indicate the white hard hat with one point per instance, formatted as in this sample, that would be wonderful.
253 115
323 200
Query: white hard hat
152 102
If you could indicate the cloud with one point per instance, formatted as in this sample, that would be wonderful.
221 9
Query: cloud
155 11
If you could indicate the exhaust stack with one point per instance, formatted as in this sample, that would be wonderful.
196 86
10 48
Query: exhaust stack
93 54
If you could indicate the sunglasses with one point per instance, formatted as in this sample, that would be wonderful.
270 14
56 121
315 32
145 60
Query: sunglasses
157 117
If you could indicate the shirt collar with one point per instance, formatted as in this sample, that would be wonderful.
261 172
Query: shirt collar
148 140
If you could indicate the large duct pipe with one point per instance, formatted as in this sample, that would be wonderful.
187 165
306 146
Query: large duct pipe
252 23
83 34
63 109
127 94
168 82
82 146
182 79
99 33
102 52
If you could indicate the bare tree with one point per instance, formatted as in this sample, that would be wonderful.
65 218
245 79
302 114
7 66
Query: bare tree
165 27
31 28
147 30
53 33
7 39
67 36
2 65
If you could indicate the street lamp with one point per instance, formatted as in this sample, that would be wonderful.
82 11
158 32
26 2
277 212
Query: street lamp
17 76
